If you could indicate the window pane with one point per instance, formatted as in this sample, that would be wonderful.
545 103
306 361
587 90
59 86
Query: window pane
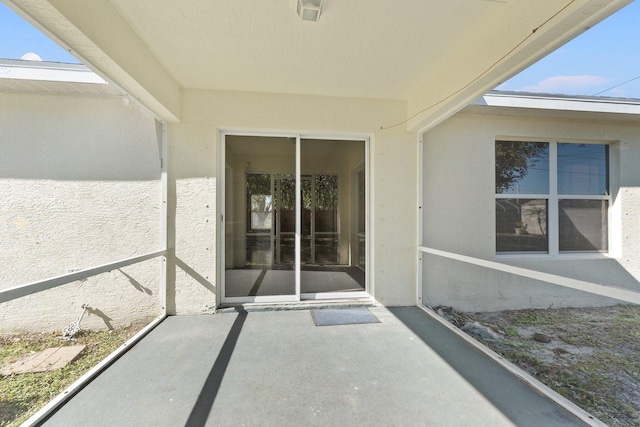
583 169
253 169
522 167
258 250
583 225
362 248
361 219
259 202
329 258
326 203
326 249
521 225
261 211
360 179
285 199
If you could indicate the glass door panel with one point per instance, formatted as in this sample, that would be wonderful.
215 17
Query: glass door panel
259 217
325 240
286 226
330 233
307 217
361 235
263 213
285 231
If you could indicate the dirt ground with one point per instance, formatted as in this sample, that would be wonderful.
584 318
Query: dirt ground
590 356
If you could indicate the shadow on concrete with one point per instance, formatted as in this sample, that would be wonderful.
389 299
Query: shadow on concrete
277 369
512 397
206 398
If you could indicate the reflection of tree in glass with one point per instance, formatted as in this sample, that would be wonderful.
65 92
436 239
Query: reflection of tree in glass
513 160
327 192
287 192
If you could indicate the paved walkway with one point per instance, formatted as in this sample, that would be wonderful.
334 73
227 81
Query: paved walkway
276 368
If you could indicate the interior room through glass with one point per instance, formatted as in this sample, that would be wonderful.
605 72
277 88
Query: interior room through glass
261 219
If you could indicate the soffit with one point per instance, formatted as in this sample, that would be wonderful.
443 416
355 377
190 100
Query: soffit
372 49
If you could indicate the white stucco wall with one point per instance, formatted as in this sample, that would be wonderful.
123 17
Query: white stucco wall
80 185
459 215
194 147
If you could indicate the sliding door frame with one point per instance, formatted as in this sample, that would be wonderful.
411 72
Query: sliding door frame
220 229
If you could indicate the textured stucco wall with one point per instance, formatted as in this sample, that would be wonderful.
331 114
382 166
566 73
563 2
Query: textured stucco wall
194 149
80 185
459 216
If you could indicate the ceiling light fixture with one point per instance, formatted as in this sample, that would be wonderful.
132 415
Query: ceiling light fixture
310 10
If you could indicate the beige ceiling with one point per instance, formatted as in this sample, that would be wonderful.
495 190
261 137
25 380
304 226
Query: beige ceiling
438 55
365 49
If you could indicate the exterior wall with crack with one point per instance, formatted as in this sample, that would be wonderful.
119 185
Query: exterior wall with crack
80 184
459 215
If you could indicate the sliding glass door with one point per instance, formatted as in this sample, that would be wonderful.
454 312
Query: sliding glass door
259 212
294 218
329 265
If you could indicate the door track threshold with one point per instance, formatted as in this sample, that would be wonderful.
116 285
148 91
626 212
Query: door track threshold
303 305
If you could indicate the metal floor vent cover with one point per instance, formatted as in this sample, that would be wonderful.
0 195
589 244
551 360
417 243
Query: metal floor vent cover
342 316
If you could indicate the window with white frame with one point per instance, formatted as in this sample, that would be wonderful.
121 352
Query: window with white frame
552 197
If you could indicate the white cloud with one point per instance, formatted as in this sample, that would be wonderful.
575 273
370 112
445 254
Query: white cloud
566 84
30 56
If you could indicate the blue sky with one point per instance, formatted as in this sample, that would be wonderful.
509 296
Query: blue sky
602 57
605 56
18 37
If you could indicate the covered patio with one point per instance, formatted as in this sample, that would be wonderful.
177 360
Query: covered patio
194 80
278 368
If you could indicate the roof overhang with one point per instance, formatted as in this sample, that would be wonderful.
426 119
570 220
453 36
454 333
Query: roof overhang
47 71
556 106
437 56
51 77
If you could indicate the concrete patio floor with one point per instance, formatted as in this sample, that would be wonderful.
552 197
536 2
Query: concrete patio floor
275 368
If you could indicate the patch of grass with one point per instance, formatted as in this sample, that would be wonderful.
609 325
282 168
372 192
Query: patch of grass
528 317
511 331
21 395
521 356
599 370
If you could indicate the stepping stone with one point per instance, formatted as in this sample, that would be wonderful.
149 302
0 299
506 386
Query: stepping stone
47 360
